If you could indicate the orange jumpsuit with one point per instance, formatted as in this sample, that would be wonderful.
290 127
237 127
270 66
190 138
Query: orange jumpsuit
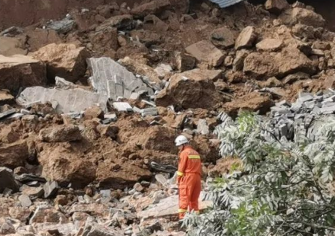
189 180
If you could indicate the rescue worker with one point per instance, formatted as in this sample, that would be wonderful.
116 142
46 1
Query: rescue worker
188 177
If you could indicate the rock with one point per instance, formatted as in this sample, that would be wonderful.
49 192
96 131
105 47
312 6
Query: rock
290 79
138 187
225 166
204 51
121 22
108 131
223 38
12 46
14 155
163 70
146 37
62 133
38 38
93 112
303 16
63 26
269 44
260 65
291 60
5 97
21 71
191 89
44 214
238 62
66 165
81 99
153 7
50 189
252 102
98 230
246 38
8 135
276 6
304 31
11 31
104 39
271 82
202 127
32 192
184 61
7 180
25 200
65 60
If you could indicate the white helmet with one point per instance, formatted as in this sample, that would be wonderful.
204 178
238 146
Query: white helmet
180 140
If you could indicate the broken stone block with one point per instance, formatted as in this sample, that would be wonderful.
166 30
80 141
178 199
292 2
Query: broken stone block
64 60
205 52
191 89
223 38
62 133
202 127
269 44
260 65
21 71
14 154
25 201
303 16
113 80
122 106
154 7
238 62
149 112
276 6
32 192
246 38
7 180
184 62
71 100
50 189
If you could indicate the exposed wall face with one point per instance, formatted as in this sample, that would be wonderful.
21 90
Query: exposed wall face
27 12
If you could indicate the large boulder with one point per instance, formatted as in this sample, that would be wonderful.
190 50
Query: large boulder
291 60
303 16
205 52
64 60
14 155
191 89
21 71
260 65
153 7
63 164
62 133
251 102
288 61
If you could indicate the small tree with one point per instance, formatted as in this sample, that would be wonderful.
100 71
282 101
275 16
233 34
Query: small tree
285 187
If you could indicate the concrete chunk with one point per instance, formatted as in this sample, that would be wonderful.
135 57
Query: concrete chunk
71 100
113 80
122 106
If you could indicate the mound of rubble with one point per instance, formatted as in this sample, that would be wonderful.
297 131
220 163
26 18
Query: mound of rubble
90 105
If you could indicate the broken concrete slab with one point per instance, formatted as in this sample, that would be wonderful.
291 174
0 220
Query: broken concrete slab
21 71
65 60
64 84
122 106
71 100
113 80
204 51
7 180
167 207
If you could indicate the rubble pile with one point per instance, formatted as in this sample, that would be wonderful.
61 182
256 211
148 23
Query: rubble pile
90 105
